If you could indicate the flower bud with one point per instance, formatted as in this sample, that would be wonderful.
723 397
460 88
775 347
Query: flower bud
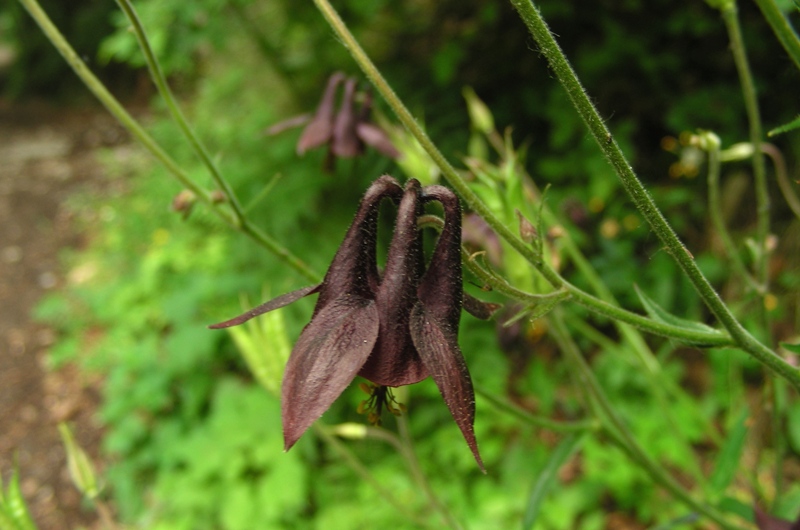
740 151
479 114
80 467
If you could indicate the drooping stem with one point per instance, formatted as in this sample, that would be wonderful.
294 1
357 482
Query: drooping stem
782 176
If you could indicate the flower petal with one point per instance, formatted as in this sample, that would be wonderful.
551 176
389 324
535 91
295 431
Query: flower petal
437 344
394 361
345 142
353 270
325 359
266 307
435 319
319 131
374 136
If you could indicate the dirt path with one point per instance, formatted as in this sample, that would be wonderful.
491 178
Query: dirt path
45 155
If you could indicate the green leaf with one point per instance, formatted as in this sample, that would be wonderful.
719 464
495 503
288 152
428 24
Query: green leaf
794 348
15 512
659 314
794 124
728 458
544 480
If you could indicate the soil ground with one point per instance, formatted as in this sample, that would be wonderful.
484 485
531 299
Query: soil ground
46 154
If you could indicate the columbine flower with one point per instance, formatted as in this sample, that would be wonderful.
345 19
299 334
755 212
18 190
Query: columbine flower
393 329
344 132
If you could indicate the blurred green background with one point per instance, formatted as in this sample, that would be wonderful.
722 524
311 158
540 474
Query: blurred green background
192 442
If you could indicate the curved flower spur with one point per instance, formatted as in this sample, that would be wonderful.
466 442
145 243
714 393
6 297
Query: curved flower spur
392 329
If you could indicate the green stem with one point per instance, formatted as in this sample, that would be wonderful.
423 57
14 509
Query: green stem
641 198
405 448
362 471
782 176
782 28
731 19
118 111
597 305
537 421
416 471
166 94
715 212
615 427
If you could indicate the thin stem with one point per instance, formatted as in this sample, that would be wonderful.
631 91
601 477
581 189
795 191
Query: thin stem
715 212
136 130
537 421
641 198
362 471
782 176
163 88
615 427
731 19
782 28
597 305
416 470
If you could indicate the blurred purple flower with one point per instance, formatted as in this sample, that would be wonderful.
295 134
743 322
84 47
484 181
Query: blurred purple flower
345 132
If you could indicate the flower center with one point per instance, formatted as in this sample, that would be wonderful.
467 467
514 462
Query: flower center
380 397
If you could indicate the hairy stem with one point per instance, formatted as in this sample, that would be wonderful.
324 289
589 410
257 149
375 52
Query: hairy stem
641 198
782 28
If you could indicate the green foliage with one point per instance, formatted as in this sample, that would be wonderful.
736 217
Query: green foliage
193 440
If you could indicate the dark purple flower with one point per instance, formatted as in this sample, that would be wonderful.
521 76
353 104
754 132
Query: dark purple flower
394 328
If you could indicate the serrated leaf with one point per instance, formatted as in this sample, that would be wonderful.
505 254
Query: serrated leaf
794 124
729 455
544 479
659 314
